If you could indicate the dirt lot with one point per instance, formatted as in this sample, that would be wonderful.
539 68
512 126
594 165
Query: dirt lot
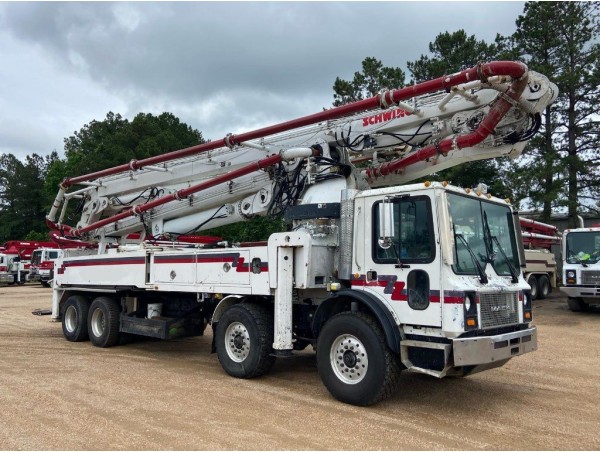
152 395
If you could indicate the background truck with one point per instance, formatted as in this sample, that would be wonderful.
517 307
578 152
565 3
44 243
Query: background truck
581 267
377 277
540 269
15 260
42 264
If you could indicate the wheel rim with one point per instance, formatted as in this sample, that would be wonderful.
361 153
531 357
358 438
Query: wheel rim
97 322
237 342
349 359
71 319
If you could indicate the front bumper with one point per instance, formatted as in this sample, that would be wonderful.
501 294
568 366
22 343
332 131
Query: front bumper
472 351
7 278
579 291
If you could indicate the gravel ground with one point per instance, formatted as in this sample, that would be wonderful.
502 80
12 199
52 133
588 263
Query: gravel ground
149 395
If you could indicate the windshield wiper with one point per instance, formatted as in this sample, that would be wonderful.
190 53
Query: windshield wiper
487 239
511 267
482 276
579 261
492 256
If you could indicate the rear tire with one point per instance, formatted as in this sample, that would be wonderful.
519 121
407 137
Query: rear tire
543 287
354 361
103 322
74 316
533 283
244 340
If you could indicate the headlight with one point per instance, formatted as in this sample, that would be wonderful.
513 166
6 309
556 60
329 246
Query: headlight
571 274
468 303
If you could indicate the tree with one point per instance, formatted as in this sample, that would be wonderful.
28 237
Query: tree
28 188
373 78
114 141
534 173
560 41
23 201
453 52
255 229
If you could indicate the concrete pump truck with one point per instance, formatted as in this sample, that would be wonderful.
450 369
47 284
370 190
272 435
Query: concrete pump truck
377 273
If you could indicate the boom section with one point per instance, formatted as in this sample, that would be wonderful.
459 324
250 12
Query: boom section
395 137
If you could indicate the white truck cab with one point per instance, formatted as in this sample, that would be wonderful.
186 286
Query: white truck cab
581 267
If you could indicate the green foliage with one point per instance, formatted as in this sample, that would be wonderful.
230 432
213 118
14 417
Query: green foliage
114 141
37 236
255 229
373 78
22 198
27 189
452 52
560 40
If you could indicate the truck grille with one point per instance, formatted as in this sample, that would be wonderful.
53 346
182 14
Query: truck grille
498 309
590 278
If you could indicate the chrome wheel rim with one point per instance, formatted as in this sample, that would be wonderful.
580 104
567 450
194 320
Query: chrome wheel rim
71 319
348 358
237 342
97 322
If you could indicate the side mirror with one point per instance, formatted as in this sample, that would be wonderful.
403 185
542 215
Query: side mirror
386 224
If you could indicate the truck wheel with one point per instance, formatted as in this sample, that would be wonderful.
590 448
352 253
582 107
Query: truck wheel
103 322
577 304
74 318
354 361
244 340
533 283
543 287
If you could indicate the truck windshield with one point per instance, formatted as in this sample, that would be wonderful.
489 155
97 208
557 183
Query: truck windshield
488 230
583 247
36 258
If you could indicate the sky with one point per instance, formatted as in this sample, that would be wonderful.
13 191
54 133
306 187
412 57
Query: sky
219 67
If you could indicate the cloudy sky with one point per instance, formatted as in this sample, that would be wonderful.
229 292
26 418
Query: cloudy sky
220 67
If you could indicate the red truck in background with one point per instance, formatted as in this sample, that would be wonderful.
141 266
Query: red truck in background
15 259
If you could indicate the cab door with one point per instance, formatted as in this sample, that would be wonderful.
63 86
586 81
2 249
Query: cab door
404 266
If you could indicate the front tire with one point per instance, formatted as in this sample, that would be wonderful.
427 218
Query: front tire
577 304
103 322
354 361
74 318
244 340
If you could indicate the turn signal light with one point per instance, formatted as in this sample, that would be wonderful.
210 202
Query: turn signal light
528 315
470 322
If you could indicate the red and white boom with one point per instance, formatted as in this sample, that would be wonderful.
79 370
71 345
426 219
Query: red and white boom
487 111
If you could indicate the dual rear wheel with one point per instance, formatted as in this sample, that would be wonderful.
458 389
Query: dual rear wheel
540 286
98 321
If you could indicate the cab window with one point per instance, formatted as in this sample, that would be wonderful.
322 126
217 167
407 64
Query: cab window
413 239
